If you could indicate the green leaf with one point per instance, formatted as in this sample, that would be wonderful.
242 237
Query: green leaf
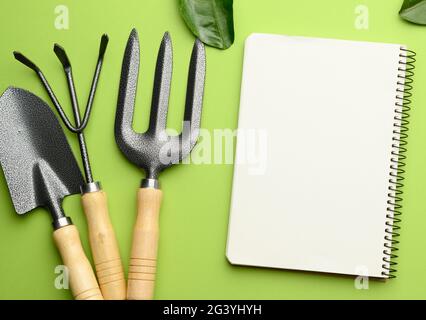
210 20
414 11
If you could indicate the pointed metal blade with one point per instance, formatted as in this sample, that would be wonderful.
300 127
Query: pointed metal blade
36 159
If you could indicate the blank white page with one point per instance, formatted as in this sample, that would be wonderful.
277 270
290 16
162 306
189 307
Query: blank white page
327 109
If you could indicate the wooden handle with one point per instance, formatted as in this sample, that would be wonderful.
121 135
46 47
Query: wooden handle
143 257
103 243
81 277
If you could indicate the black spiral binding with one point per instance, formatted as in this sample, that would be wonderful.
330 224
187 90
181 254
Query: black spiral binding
399 149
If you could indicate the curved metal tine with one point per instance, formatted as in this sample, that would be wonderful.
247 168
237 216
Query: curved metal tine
162 83
102 49
63 58
24 60
127 91
194 95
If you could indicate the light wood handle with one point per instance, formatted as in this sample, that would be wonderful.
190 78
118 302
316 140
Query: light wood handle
82 280
143 257
103 243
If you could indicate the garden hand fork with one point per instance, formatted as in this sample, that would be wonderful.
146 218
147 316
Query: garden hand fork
154 150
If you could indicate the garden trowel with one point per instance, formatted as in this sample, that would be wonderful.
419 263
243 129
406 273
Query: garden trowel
40 171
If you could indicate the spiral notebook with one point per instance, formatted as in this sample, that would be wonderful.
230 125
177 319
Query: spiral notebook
320 148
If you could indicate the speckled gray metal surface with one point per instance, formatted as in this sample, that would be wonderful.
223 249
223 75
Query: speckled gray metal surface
154 150
36 159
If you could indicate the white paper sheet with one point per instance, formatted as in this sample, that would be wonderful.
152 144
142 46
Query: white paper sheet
327 108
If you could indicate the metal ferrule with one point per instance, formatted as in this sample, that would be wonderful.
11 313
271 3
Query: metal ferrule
90 187
150 183
61 222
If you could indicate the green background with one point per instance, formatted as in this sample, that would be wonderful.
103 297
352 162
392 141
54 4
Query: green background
194 216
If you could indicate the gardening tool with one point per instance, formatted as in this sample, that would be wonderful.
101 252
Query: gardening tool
154 150
102 238
40 171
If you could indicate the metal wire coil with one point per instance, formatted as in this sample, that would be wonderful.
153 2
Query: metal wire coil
398 157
